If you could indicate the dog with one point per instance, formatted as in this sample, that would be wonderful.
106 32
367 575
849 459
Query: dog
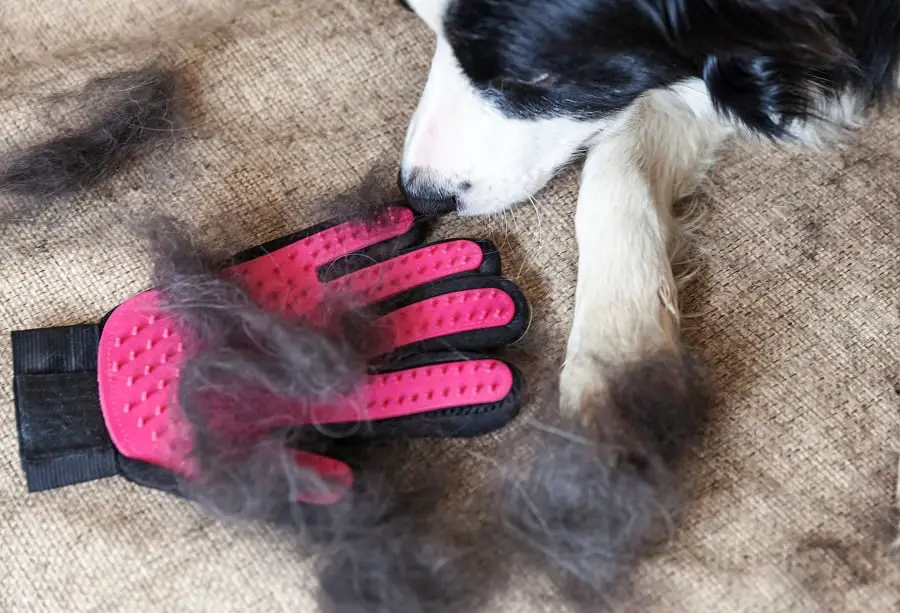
648 91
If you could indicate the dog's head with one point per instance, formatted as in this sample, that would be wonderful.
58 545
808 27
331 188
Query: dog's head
518 87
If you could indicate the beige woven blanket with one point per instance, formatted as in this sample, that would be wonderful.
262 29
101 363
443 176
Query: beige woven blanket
796 309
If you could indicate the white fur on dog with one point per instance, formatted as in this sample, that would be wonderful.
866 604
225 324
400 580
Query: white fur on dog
626 297
638 163
460 138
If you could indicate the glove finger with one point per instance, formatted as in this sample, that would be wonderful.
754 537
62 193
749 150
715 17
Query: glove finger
284 284
447 394
392 228
417 266
435 396
283 275
335 478
468 313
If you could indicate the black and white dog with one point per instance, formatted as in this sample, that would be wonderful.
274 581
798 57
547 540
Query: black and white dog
649 90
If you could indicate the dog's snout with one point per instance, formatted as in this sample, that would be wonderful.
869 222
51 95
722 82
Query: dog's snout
432 204
425 195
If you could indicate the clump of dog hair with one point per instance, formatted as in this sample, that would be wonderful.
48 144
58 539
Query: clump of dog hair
601 493
378 547
406 556
375 190
124 115
249 374
595 497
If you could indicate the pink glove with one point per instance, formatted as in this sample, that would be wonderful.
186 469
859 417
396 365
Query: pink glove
98 400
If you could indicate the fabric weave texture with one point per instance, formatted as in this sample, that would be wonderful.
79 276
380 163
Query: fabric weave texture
796 309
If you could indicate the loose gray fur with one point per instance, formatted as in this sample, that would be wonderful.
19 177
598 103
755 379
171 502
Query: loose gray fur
595 500
603 492
126 114
586 510
378 549
242 363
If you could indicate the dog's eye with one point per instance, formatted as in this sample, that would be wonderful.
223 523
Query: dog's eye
541 80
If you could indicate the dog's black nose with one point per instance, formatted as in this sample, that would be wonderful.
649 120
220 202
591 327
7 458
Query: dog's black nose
432 205
424 197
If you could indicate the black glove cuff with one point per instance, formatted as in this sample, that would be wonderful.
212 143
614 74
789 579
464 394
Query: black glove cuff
62 436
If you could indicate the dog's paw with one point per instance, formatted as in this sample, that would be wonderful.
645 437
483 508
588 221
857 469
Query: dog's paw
581 383
663 395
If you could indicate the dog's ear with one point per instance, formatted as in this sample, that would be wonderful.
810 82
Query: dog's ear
762 93
807 30
765 62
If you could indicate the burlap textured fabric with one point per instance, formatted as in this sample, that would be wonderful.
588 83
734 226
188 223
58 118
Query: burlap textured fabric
796 308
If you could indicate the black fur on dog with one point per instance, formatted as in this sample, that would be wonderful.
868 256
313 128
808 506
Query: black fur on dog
766 63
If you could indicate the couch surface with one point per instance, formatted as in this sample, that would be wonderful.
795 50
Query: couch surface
795 308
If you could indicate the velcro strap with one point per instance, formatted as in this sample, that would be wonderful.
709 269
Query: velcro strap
63 439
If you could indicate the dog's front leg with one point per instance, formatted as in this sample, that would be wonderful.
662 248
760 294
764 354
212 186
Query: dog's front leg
626 308
596 496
